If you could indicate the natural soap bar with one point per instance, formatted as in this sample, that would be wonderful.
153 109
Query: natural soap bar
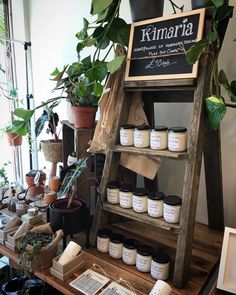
69 253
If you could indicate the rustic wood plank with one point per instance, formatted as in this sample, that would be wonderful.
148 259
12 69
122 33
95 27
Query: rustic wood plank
151 152
68 135
143 217
149 84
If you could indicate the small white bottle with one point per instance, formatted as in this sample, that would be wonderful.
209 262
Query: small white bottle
160 265
144 258
172 208
159 138
130 251
142 136
116 246
155 204
103 240
140 199
177 139
126 196
127 135
113 192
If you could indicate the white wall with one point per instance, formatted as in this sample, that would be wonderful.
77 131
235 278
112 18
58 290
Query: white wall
53 25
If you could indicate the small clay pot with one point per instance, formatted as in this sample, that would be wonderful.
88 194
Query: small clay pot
54 183
32 189
14 139
49 197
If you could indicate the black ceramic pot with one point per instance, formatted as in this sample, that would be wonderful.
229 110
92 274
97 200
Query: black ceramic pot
145 9
72 220
201 3
13 287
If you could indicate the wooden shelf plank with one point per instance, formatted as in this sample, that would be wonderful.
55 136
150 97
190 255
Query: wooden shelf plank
151 152
158 83
143 217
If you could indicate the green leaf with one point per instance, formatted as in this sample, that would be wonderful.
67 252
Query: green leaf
223 12
98 89
86 62
23 113
102 15
216 110
223 79
119 31
55 72
230 88
75 69
20 127
102 40
98 5
98 72
79 47
212 37
81 35
39 125
196 50
115 64
217 3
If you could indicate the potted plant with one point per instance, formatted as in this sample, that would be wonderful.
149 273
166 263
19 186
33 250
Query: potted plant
35 180
216 104
13 138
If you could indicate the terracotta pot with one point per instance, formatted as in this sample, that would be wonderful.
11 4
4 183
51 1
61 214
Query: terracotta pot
14 139
50 197
145 9
35 190
84 117
52 150
54 183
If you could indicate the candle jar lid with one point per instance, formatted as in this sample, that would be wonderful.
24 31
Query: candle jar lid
140 192
127 126
172 200
113 184
126 188
156 196
161 257
177 129
145 250
160 128
131 243
104 233
117 238
142 127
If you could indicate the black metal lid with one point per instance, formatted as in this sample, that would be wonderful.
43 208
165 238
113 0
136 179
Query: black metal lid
113 184
140 191
131 243
127 126
160 128
172 200
177 129
126 188
142 127
161 257
145 250
156 196
117 238
104 233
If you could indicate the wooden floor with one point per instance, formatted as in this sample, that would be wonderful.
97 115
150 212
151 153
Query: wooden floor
205 254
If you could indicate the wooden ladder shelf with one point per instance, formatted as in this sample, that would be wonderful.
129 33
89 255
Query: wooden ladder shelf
182 90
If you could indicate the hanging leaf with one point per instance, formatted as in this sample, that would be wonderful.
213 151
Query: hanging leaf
223 12
75 69
86 62
98 72
102 39
98 5
216 110
23 113
39 125
196 50
115 64
217 3
230 88
81 35
119 32
98 89
212 37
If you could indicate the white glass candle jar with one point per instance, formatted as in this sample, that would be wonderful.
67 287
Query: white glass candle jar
159 138
126 196
144 258
155 204
160 266
161 288
130 251
177 139
127 135
113 192
142 136
172 207
116 246
103 240
140 199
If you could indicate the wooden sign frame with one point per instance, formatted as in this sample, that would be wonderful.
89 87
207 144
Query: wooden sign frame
227 272
154 58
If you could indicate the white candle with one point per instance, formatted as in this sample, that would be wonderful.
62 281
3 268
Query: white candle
69 253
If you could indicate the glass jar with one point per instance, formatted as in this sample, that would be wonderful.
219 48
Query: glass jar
155 204
144 258
140 198
103 240
177 139
21 208
160 265
113 192
127 135
159 138
172 207
130 251
116 246
142 136
126 196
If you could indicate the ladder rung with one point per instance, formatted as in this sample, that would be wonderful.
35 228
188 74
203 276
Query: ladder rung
144 217
151 152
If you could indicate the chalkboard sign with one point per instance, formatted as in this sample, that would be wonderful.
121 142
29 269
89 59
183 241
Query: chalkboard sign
157 47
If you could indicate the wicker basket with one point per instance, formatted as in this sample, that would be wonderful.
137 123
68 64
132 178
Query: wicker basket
52 150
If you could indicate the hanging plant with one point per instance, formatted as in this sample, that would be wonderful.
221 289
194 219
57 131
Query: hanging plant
216 104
